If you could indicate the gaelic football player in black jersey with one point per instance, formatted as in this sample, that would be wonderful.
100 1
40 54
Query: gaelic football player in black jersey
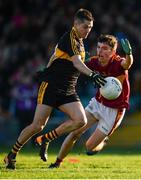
57 88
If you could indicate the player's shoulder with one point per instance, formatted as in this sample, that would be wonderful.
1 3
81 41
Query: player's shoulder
118 58
65 36
64 41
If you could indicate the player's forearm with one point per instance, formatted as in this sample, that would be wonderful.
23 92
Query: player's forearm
80 66
83 69
128 51
129 61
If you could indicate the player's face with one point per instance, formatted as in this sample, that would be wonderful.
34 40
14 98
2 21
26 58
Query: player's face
84 28
104 53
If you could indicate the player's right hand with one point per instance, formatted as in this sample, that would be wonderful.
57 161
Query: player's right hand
98 79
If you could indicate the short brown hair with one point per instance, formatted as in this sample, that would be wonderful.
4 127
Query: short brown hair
83 14
108 39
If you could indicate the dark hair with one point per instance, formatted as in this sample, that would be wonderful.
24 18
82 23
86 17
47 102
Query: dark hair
108 39
83 14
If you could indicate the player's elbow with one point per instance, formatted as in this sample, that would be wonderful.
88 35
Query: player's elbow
128 63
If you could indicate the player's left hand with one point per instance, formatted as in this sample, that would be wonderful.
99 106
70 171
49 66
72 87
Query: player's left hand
126 46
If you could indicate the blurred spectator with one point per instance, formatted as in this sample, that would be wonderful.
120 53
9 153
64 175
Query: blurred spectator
24 93
135 99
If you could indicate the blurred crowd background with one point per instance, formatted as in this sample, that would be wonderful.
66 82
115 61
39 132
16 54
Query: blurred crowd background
29 31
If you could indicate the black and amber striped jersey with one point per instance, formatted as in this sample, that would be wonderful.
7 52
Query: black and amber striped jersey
61 72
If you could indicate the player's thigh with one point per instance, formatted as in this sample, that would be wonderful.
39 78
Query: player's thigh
95 139
42 114
74 110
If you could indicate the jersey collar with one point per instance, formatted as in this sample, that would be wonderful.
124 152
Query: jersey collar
74 30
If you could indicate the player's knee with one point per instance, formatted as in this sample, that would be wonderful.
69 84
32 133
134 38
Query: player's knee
79 124
83 121
80 121
37 127
89 146
75 135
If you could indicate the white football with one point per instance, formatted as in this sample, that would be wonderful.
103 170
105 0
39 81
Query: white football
112 88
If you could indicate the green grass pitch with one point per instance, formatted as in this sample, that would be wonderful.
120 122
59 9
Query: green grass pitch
109 164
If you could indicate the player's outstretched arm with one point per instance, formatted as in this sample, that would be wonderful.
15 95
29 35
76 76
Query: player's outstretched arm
126 46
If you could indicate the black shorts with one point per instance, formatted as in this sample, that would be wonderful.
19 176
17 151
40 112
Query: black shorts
49 95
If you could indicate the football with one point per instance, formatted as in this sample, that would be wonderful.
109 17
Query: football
112 89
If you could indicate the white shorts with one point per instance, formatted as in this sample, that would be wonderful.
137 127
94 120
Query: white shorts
108 118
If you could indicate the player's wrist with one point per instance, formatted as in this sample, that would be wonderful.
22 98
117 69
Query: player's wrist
92 74
128 53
